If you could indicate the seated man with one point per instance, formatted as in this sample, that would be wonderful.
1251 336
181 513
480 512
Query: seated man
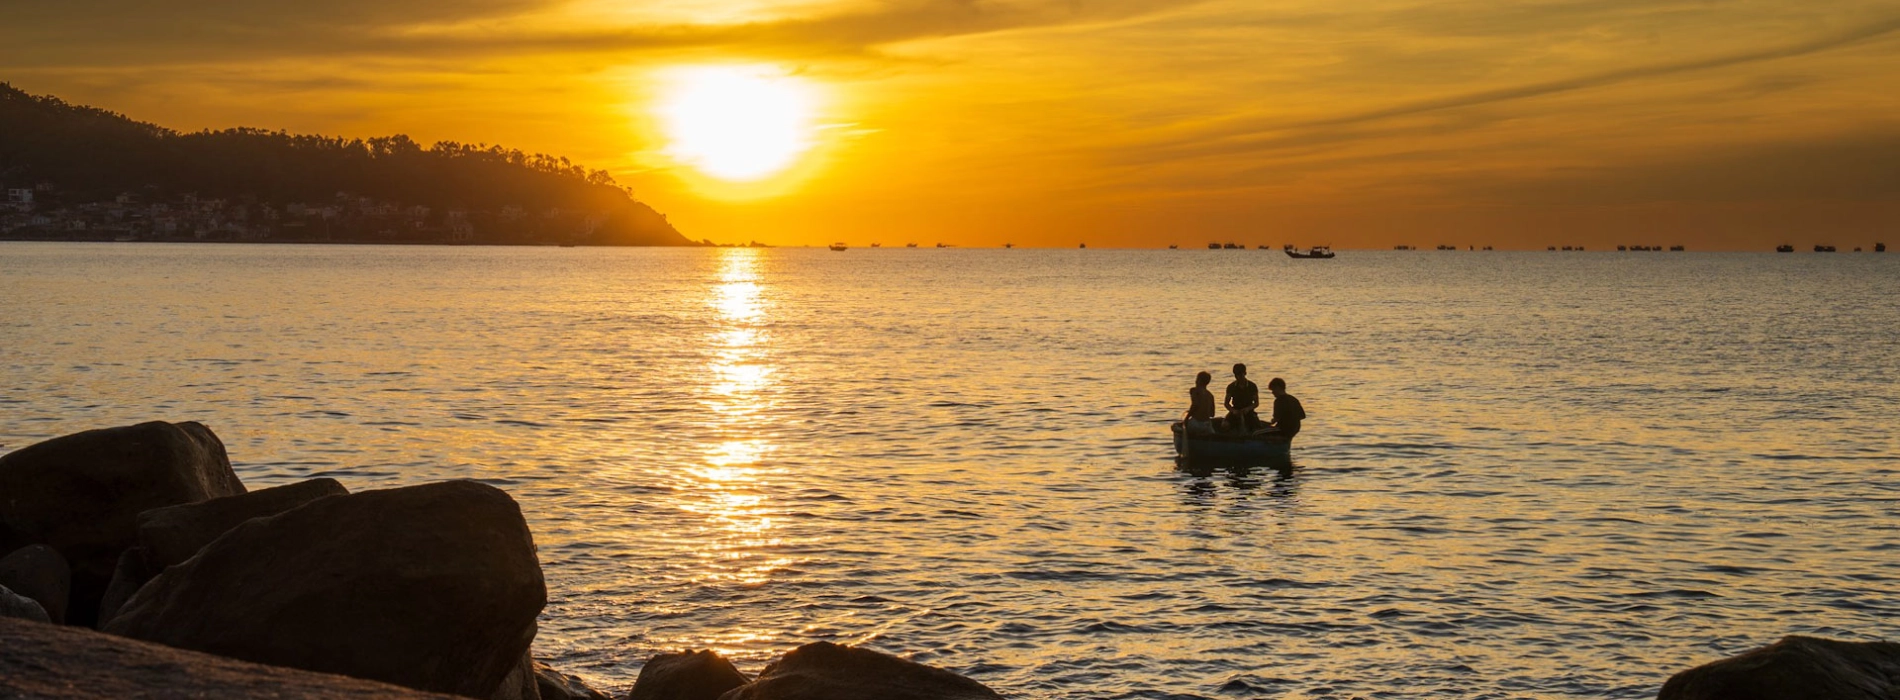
1243 399
1287 411
1200 414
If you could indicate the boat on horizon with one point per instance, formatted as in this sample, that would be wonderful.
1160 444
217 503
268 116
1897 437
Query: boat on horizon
910 245
1227 446
1318 252
1784 248
837 246
1213 246
1823 249
877 245
1880 247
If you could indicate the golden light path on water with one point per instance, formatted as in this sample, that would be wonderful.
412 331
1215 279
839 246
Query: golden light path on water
726 491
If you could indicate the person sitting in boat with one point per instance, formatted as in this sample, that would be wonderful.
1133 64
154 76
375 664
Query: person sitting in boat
1287 411
1200 413
1242 402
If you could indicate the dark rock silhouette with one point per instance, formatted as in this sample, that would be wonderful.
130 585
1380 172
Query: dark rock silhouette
692 675
50 662
133 570
19 607
173 533
38 572
81 494
555 685
519 683
434 587
826 671
1795 668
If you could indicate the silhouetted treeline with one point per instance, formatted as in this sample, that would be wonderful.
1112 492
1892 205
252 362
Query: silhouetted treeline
90 153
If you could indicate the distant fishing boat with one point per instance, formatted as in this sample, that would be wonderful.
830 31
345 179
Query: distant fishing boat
1085 245
1232 246
943 245
1223 446
1880 247
910 245
1407 247
1784 248
1676 249
1442 246
1213 246
1172 246
877 245
1318 252
837 246
1009 245
1824 249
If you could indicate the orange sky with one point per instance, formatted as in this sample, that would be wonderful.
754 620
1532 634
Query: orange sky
1359 123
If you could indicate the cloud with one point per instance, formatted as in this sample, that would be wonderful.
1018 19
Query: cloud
96 32
1244 135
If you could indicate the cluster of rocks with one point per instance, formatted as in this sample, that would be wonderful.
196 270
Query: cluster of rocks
199 587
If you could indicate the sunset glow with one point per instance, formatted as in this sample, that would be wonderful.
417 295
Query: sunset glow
738 124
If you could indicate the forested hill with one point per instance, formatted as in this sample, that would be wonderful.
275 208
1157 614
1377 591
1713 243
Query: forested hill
89 169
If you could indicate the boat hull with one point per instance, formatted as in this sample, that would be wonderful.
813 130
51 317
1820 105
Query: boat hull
1229 446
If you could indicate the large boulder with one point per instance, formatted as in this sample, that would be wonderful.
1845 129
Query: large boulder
434 587
1795 668
826 671
38 572
18 607
81 494
49 662
693 675
172 534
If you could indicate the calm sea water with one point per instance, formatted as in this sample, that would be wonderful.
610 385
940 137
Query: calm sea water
1524 475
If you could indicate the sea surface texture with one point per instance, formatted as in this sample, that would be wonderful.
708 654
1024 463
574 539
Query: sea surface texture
1549 475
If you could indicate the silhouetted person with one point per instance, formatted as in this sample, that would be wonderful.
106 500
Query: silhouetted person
1287 411
1200 413
1242 402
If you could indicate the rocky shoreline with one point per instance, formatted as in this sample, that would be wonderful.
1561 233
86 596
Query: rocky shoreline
198 587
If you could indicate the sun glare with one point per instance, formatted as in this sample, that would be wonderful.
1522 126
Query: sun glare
737 123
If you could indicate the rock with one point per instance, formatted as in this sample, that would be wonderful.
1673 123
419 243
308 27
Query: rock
81 494
826 671
173 533
519 684
19 607
49 662
1795 668
38 572
434 587
555 685
134 569
692 675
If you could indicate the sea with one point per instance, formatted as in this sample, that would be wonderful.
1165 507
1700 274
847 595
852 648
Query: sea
1523 474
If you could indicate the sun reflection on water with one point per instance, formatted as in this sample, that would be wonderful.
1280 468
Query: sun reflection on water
729 490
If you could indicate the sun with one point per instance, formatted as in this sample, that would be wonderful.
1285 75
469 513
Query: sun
737 123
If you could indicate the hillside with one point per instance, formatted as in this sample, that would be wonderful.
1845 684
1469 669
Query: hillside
76 172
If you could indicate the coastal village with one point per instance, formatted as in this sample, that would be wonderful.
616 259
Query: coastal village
42 211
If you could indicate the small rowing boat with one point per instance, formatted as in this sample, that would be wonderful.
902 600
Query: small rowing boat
1226 446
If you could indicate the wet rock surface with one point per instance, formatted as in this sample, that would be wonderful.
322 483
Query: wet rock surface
38 572
826 671
51 662
1795 668
434 587
693 675
81 494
